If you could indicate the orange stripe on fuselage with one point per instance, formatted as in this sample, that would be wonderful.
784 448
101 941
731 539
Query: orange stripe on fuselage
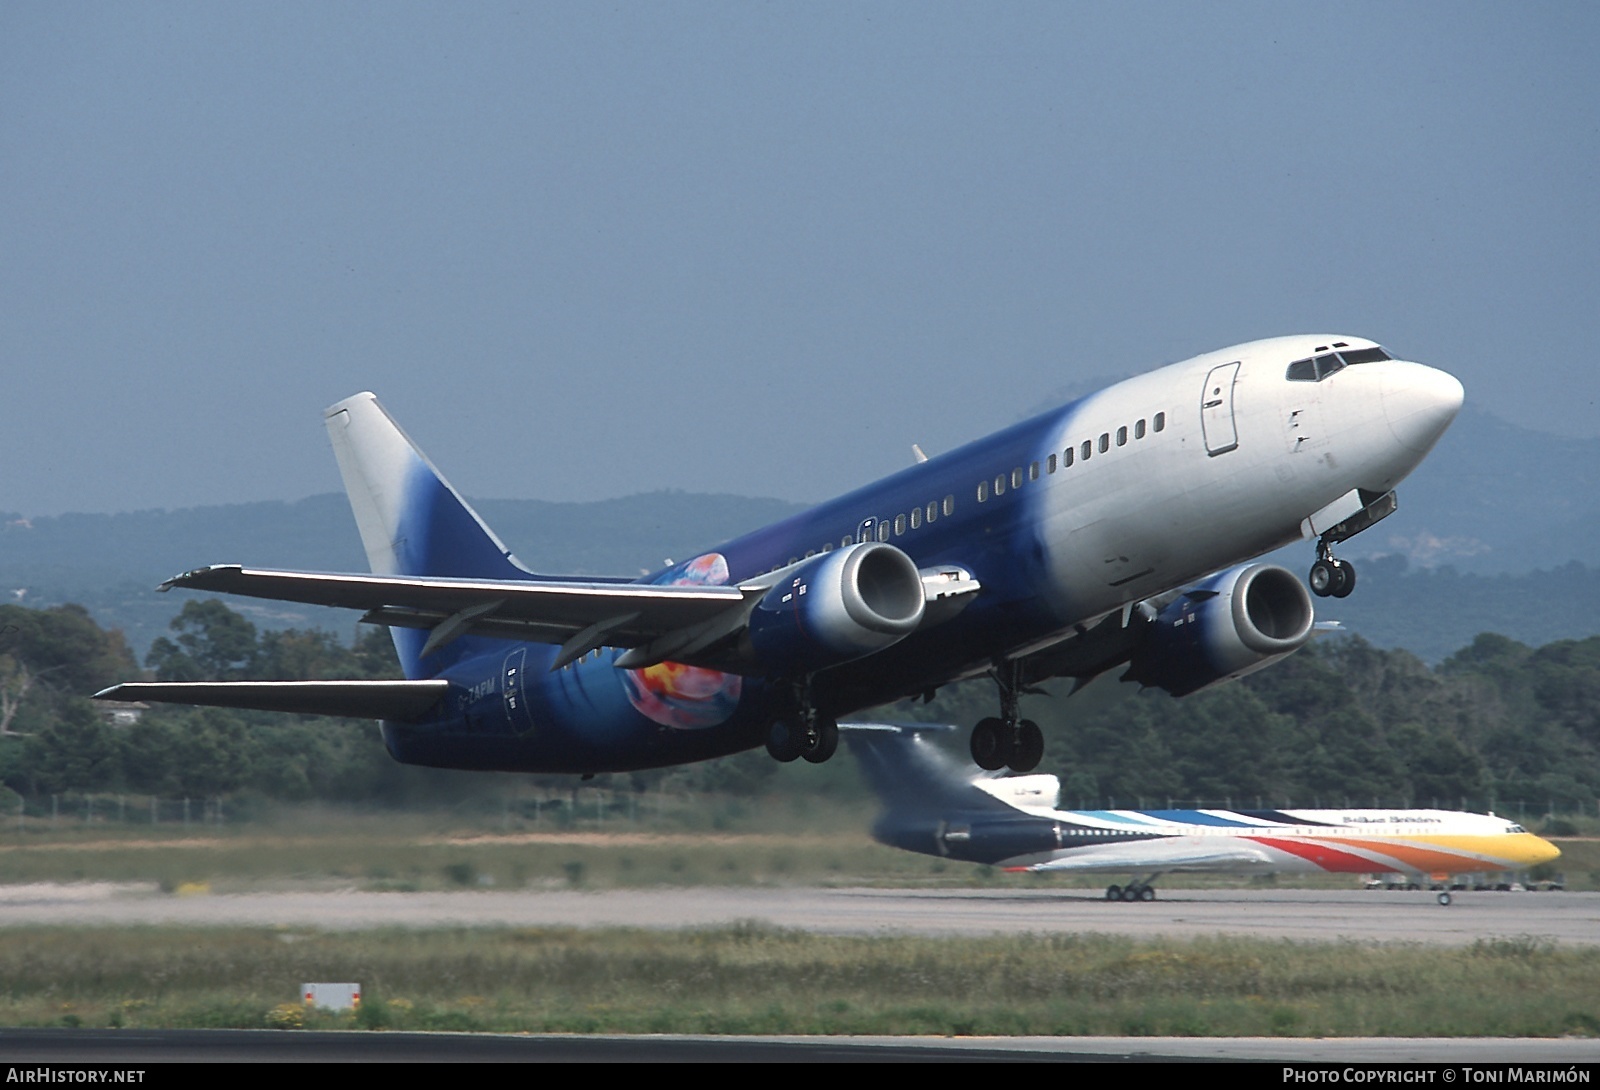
1425 854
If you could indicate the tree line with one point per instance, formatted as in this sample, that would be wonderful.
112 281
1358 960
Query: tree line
1342 722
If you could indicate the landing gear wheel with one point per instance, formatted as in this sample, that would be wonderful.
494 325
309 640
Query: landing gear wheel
823 742
1444 898
1113 893
1347 579
1147 893
991 744
1324 577
1027 747
784 740
1130 893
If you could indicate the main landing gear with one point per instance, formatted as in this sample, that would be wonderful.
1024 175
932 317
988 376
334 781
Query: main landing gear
1133 891
1009 741
804 733
1331 577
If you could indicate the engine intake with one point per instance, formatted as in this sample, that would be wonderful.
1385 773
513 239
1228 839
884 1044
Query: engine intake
1232 624
837 607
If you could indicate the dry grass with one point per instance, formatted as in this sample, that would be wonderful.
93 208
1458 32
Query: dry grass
754 979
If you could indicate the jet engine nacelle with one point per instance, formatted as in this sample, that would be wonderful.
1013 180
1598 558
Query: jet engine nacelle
837 607
1234 623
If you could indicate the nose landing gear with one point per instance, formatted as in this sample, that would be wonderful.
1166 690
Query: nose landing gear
1329 576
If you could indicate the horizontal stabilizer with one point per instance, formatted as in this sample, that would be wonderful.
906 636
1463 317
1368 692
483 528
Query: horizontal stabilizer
401 701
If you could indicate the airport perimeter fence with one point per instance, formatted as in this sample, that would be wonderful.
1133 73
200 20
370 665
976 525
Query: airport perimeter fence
597 809
1521 810
588 808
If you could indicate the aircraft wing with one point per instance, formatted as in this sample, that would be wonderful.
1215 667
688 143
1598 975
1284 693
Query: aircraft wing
1210 853
580 616
397 700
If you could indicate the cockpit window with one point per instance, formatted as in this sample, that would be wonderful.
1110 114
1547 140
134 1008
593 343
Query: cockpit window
1321 366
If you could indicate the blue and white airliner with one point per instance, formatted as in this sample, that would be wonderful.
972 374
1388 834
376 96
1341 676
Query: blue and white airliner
1118 530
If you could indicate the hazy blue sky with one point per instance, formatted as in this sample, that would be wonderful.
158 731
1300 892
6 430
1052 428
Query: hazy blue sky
584 250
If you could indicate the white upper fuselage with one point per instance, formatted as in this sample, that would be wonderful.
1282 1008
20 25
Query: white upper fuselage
1285 450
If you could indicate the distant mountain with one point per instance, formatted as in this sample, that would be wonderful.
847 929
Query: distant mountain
111 564
1493 497
1434 612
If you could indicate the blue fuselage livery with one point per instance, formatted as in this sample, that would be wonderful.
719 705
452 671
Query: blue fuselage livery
1116 530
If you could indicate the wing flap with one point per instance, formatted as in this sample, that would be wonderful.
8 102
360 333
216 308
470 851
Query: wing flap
402 701
1167 854
631 614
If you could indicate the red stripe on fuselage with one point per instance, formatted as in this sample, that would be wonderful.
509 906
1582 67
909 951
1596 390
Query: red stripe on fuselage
1329 859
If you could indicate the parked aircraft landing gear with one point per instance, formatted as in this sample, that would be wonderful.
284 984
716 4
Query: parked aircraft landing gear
1009 741
1331 577
1133 891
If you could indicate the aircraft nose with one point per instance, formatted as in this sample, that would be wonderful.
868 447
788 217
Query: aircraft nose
1419 403
1543 852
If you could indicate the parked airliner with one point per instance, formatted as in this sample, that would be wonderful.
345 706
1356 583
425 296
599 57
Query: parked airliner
1116 530
933 806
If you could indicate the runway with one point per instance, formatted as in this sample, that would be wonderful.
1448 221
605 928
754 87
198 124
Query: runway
129 1047
1307 915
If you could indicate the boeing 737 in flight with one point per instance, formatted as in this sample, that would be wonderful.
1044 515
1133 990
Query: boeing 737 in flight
1117 530
933 807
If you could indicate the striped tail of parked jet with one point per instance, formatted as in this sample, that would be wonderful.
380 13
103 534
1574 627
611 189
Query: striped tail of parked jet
1118 530
933 806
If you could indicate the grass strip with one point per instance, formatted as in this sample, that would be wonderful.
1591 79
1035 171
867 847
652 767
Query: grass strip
754 979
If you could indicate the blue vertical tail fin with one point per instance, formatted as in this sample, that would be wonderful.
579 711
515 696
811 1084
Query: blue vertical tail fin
412 521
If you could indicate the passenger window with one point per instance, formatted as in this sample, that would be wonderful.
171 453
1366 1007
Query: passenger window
899 525
1160 421
845 542
1138 430
983 491
916 517
1000 485
933 511
1033 469
1066 458
1050 464
1016 477
827 546
1122 436
950 505
1086 449
1105 441
883 530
